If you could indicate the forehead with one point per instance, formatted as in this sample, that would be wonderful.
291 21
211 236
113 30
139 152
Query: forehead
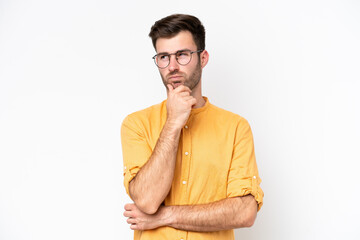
183 40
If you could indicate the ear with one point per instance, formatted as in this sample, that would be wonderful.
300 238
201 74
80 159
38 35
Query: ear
204 58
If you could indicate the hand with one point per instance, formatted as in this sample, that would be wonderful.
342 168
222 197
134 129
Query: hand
179 104
142 221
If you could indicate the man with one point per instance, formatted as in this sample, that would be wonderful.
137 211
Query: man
189 166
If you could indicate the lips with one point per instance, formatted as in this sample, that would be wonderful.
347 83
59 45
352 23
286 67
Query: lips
175 77
176 84
175 80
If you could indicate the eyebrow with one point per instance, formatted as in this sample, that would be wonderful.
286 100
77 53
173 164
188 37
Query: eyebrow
181 50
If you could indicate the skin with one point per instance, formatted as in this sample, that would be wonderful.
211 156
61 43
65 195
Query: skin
147 189
226 214
152 183
188 75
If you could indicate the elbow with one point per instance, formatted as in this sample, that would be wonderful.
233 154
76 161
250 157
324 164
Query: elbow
150 209
145 203
249 221
246 221
147 206
249 218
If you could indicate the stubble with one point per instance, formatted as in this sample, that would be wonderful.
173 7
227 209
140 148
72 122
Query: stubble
192 81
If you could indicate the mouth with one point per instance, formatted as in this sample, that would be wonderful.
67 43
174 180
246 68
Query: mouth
175 84
175 77
175 80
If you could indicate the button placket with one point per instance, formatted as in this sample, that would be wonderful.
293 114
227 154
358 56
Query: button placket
186 158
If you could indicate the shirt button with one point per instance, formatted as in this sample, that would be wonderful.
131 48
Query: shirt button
254 177
186 126
186 153
184 182
125 167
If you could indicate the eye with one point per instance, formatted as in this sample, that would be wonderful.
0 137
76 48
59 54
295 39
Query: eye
183 54
163 57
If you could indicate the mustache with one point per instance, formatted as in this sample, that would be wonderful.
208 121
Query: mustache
169 75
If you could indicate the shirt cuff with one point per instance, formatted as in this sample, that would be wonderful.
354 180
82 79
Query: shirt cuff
250 185
129 174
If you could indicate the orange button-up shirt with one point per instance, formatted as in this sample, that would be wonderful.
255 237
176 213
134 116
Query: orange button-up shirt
215 160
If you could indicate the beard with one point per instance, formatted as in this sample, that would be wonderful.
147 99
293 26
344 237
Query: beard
191 82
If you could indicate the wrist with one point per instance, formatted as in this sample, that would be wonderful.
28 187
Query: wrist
172 126
168 216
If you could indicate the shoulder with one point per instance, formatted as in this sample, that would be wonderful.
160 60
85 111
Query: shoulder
227 116
145 115
232 123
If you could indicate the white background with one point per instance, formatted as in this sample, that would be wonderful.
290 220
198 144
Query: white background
71 70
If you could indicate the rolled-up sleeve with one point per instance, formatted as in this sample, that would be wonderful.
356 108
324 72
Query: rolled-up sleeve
135 149
243 177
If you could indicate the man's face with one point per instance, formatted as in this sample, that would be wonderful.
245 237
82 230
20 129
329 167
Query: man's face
176 74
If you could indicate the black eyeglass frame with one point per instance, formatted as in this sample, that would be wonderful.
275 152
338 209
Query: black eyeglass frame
191 53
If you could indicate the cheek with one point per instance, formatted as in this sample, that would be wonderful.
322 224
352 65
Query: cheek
162 72
194 68
195 65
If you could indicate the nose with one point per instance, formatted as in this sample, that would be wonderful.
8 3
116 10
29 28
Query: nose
173 64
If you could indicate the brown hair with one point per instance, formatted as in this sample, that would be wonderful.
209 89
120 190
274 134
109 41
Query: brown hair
171 25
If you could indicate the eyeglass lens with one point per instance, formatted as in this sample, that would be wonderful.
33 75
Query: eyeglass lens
182 57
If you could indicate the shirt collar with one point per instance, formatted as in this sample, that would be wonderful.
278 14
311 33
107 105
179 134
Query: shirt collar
201 109
194 110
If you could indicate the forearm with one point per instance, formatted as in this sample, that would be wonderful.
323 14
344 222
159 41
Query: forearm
226 214
153 182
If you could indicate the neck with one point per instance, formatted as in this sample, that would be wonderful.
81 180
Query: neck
196 93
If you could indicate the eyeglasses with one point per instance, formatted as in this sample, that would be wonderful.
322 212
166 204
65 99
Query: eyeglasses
183 57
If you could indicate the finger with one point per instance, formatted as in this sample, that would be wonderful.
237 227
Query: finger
182 88
128 206
134 227
192 101
170 87
132 220
183 94
137 226
128 214
187 98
